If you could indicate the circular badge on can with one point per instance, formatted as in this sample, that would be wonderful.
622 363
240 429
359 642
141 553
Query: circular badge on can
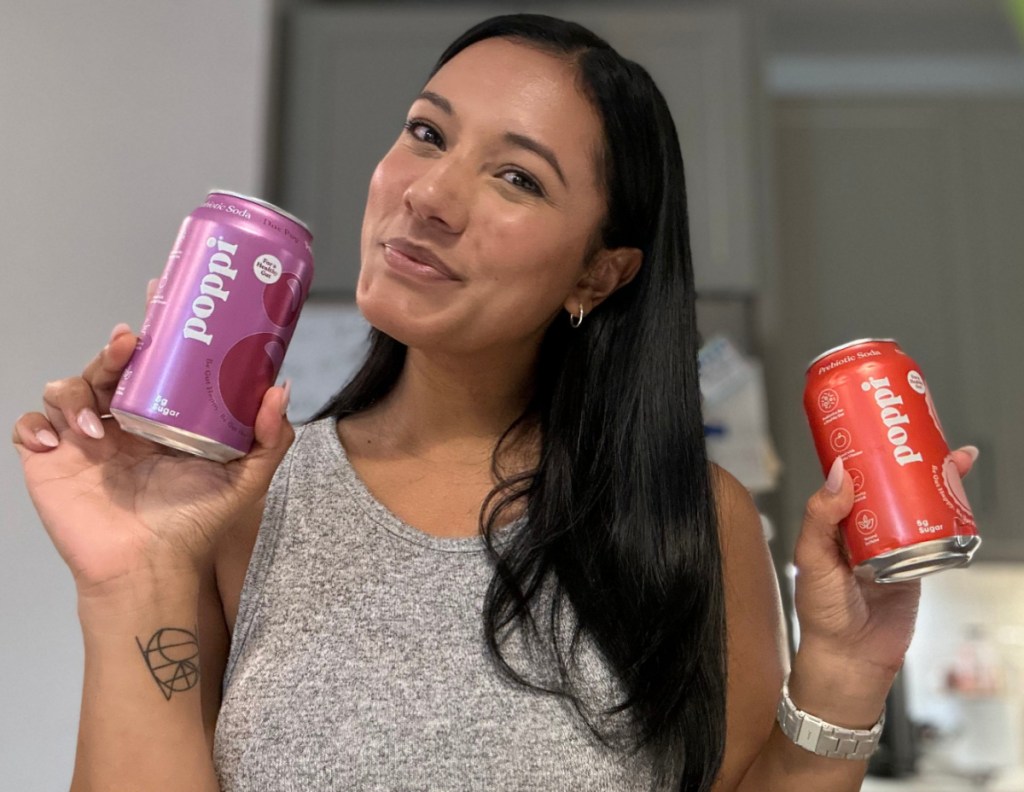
267 268
916 381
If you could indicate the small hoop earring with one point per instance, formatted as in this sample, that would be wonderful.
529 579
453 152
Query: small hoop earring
576 321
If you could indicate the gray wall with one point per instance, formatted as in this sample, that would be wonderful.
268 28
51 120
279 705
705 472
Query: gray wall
115 117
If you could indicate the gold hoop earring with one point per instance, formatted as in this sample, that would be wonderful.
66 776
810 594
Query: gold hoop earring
576 321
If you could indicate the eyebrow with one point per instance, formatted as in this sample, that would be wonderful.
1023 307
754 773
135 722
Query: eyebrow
542 151
513 138
438 101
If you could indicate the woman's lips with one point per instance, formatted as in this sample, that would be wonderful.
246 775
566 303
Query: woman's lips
413 259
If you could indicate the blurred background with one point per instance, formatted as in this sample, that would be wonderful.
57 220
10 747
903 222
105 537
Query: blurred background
855 168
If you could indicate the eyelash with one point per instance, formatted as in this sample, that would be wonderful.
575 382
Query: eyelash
524 181
413 124
533 187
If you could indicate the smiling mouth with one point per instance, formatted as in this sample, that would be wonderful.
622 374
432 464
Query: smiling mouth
410 258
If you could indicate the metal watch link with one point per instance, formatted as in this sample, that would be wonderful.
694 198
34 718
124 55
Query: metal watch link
822 738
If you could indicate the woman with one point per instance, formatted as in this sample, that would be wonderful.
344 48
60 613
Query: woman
500 558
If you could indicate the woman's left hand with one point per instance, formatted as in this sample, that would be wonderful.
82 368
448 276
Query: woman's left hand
866 625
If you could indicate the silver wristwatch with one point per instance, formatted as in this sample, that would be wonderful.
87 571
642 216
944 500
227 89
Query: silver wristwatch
824 739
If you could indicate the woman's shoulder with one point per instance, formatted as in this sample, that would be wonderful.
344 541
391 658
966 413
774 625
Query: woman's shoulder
738 517
751 585
746 558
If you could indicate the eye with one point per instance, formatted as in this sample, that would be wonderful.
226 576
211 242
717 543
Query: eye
523 181
424 132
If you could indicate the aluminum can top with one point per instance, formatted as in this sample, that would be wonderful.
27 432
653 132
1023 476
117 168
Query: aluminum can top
265 204
849 344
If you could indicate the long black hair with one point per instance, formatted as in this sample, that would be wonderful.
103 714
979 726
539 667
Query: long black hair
621 531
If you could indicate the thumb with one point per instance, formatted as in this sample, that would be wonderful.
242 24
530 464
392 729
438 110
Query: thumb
964 459
820 544
272 437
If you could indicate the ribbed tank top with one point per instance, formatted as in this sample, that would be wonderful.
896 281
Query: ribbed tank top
358 659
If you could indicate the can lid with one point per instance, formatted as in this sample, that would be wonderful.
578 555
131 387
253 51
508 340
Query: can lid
265 204
841 347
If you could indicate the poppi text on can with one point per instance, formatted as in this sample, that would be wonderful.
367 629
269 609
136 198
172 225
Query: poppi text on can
868 402
217 328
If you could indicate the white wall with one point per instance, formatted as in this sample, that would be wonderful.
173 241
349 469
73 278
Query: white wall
974 727
115 118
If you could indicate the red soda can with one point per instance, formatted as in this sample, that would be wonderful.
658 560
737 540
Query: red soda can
217 328
867 402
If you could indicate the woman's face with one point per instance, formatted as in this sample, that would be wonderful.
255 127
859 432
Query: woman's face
480 217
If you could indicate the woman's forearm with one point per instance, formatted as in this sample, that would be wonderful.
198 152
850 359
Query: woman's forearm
141 723
836 691
783 766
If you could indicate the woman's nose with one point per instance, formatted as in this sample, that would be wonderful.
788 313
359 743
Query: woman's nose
438 196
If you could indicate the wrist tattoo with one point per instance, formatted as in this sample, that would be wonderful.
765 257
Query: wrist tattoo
172 657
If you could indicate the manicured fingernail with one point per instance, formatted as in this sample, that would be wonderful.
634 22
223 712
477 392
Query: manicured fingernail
972 452
47 438
287 396
834 482
90 423
119 329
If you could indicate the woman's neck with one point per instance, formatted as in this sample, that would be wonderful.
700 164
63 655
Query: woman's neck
446 410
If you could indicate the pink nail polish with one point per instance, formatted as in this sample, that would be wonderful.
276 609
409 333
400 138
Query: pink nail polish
90 423
287 396
47 438
119 329
971 451
834 482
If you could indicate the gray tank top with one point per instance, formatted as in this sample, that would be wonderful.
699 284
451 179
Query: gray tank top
358 660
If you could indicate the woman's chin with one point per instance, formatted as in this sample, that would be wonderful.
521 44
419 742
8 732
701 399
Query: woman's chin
393 318
381 311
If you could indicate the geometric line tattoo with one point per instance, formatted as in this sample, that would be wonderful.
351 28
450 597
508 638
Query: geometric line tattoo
172 657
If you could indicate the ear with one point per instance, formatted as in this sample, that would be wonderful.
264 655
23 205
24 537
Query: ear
610 269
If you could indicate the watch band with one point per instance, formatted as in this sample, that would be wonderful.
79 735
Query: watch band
823 738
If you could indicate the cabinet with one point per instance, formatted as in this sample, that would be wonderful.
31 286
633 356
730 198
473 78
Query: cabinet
352 71
902 218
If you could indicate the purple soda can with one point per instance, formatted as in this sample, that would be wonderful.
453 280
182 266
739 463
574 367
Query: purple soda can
217 327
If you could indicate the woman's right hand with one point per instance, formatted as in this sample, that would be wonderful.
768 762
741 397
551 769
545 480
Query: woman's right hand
117 506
